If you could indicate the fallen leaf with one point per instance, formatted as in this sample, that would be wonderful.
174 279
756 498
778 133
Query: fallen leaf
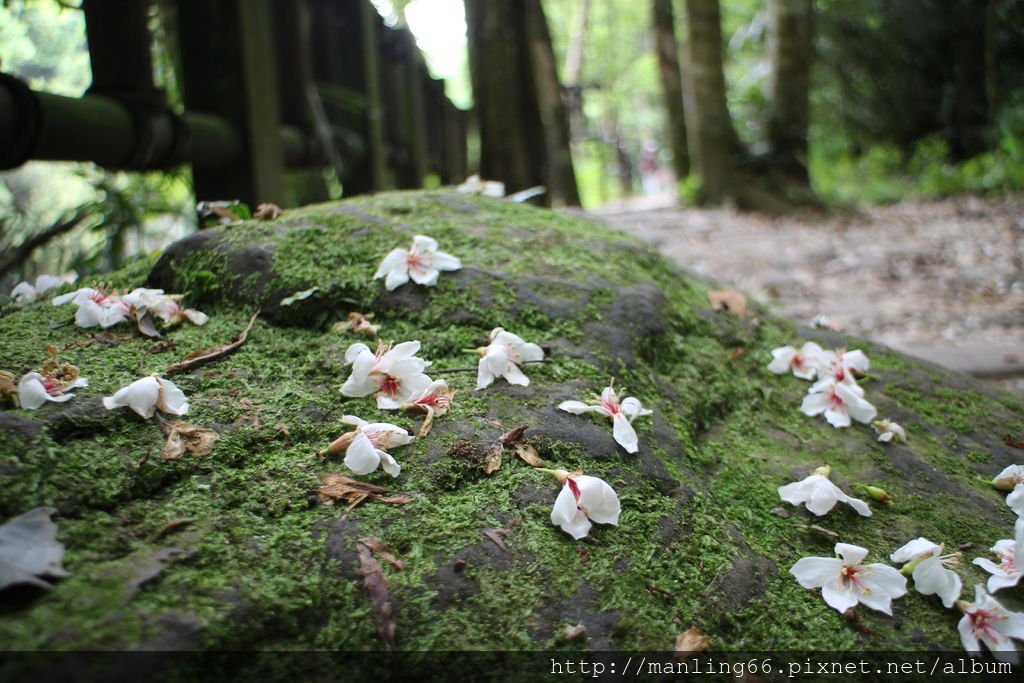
380 549
147 326
197 358
339 487
1013 443
29 549
8 388
268 212
377 586
821 530
577 632
728 300
737 353
529 454
692 641
174 525
514 436
299 296
495 536
148 567
493 460
357 322
183 437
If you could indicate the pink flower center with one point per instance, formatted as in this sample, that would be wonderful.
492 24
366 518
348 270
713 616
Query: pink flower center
435 399
611 406
574 487
982 624
1007 565
798 362
414 260
849 576
390 385
53 386
837 403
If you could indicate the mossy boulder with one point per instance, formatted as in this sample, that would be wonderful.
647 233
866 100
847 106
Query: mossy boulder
703 540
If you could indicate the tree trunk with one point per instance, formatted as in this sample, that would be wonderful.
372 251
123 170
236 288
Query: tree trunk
714 145
523 131
572 74
790 54
671 84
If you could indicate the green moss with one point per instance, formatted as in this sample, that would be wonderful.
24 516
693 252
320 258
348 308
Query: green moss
264 564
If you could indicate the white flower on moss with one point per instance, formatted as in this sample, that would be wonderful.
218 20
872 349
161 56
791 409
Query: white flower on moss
366 448
803 362
582 501
34 390
622 413
24 292
839 401
1010 569
819 494
436 400
503 358
394 375
842 365
845 581
169 309
1012 479
149 394
888 430
96 307
986 621
488 188
931 569
422 263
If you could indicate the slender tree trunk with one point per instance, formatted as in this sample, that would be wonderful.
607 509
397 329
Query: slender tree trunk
664 28
572 74
790 55
524 137
714 145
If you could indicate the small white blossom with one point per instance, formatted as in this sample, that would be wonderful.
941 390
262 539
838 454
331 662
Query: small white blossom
1010 569
621 414
435 400
842 365
804 362
34 390
583 500
846 582
987 621
824 322
393 375
147 395
931 569
96 307
422 263
840 401
1012 479
24 292
169 309
366 448
503 358
820 494
888 430
488 188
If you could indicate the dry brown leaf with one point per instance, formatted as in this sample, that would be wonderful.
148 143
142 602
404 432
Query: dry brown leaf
267 212
737 353
147 326
493 460
174 525
529 454
197 358
576 632
728 300
377 585
514 436
8 388
339 487
357 322
692 641
495 536
1012 442
183 437
380 549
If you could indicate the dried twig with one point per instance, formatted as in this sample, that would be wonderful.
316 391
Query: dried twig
197 358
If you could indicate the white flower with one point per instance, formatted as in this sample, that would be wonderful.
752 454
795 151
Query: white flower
502 358
435 400
987 621
824 322
842 365
365 447
423 263
1010 569
394 375
96 307
583 500
804 363
621 414
820 494
840 401
846 582
488 188
930 568
24 292
34 390
888 430
147 395
169 309
1012 479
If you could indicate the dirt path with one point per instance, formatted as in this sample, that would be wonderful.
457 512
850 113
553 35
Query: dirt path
941 280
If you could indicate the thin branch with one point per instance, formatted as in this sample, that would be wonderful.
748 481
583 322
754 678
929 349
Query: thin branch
197 358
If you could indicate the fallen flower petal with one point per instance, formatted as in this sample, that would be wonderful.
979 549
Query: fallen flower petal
820 494
931 569
147 395
839 401
29 549
621 414
34 390
24 292
436 400
888 430
393 375
986 621
804 363
503 358
845 582
582 500
365 448
422 263
1010 569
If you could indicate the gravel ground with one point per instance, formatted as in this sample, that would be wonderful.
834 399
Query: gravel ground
942 280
